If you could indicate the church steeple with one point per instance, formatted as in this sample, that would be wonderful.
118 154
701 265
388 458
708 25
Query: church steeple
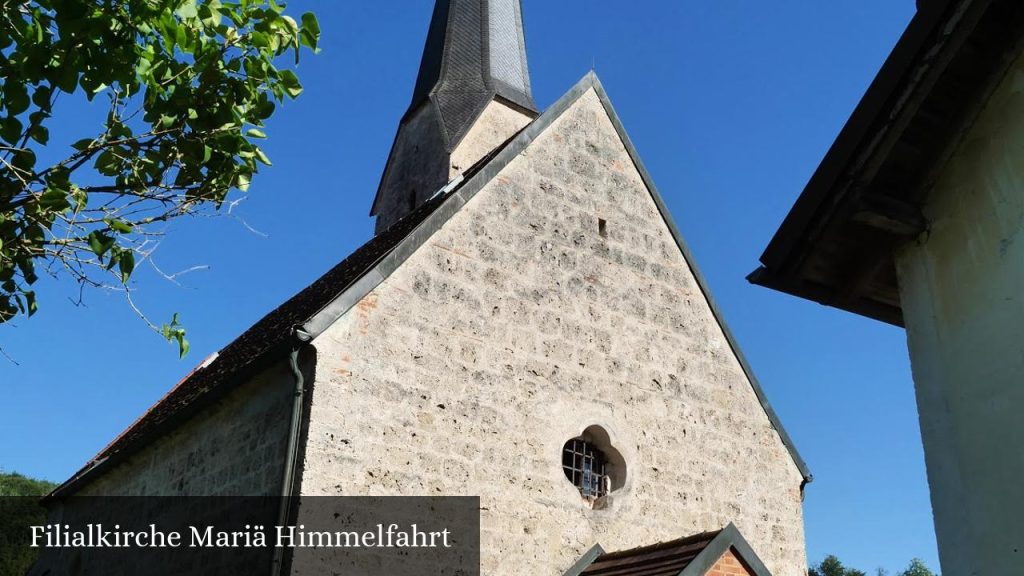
476 50
473 93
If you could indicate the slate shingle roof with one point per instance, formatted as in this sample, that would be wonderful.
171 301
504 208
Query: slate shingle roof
475 50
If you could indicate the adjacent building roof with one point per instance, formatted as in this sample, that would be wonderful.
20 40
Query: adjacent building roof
691 556
318 306
864 201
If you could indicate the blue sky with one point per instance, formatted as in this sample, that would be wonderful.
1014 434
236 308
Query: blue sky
731 103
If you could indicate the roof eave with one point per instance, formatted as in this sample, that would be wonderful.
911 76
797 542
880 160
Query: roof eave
766 278
839 243
808 206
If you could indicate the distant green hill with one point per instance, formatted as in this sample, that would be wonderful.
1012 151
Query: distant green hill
19 508
13 484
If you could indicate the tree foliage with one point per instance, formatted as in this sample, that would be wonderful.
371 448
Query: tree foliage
186 87
14 484
19 507
831 566
917 568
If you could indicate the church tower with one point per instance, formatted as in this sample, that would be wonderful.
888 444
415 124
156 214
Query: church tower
472 94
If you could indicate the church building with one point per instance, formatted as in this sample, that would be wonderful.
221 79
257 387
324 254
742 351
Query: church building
526 326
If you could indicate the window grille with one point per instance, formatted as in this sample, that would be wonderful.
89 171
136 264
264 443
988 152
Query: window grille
586 467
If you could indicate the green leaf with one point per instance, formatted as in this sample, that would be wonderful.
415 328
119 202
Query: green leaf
27 267
55 200
60 178
291 83
126 264
99 243
242 182
254 133
187 10
310 33
261 156
144 66
25 160
37 117
41 97
115 255
209 15
10 130
39 134
83 144
175 332
68 79
80 197
15 97
260 39
264 108
107 163
118 225
30 299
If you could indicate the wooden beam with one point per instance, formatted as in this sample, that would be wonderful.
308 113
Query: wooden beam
890 215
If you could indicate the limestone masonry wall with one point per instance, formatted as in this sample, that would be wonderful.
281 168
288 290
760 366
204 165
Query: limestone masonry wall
517 326
234 448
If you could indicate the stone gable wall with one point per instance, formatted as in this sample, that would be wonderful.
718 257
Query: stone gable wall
517 326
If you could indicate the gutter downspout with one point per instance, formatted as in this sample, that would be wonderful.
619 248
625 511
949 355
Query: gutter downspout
301 338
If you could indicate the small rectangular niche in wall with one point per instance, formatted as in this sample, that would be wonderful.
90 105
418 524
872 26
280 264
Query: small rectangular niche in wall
602 227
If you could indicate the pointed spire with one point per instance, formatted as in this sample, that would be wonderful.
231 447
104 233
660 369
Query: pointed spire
473 93
475 51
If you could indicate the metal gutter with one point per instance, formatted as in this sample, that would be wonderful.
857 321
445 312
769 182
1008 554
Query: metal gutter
289 483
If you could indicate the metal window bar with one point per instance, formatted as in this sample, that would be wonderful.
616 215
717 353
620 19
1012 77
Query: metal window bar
585 467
